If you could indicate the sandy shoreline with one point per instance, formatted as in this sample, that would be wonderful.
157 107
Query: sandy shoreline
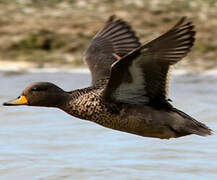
30 67
6 66
55 37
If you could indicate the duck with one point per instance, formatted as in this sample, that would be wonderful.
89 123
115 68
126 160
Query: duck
130 83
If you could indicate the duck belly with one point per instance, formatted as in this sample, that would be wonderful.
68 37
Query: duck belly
149 122
140 120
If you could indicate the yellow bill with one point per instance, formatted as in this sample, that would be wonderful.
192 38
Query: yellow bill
21 100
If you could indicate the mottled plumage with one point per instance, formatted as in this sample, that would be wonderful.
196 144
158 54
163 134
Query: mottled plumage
129 90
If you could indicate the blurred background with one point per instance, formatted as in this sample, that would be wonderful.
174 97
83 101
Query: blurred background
58 31
44 40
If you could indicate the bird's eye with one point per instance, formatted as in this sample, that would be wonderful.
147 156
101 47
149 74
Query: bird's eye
38 89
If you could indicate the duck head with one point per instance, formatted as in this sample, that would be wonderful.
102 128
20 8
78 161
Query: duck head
40 94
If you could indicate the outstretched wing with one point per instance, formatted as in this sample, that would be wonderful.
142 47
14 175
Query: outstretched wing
114 41
142 75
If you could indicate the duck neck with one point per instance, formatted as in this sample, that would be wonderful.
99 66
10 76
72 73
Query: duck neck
59 101
81 103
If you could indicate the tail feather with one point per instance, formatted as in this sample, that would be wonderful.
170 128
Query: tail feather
192 126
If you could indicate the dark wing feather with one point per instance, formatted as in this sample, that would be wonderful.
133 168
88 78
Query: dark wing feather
142 75
114 41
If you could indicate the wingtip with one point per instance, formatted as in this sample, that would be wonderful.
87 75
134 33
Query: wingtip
186 24
111 18
184 20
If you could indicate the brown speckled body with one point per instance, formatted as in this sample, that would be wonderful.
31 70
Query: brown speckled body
87 104
142 120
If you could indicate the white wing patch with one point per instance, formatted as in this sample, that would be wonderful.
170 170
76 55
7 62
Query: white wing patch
133 92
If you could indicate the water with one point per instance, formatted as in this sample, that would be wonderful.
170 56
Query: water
48 144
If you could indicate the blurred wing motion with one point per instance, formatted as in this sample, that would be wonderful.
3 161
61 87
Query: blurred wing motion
142 76
114 41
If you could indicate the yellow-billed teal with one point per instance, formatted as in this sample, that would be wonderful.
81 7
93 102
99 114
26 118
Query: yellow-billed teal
129 90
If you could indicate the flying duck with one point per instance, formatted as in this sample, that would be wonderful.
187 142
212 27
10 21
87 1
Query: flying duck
129 89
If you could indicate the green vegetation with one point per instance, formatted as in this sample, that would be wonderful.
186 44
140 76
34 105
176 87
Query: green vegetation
59 31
